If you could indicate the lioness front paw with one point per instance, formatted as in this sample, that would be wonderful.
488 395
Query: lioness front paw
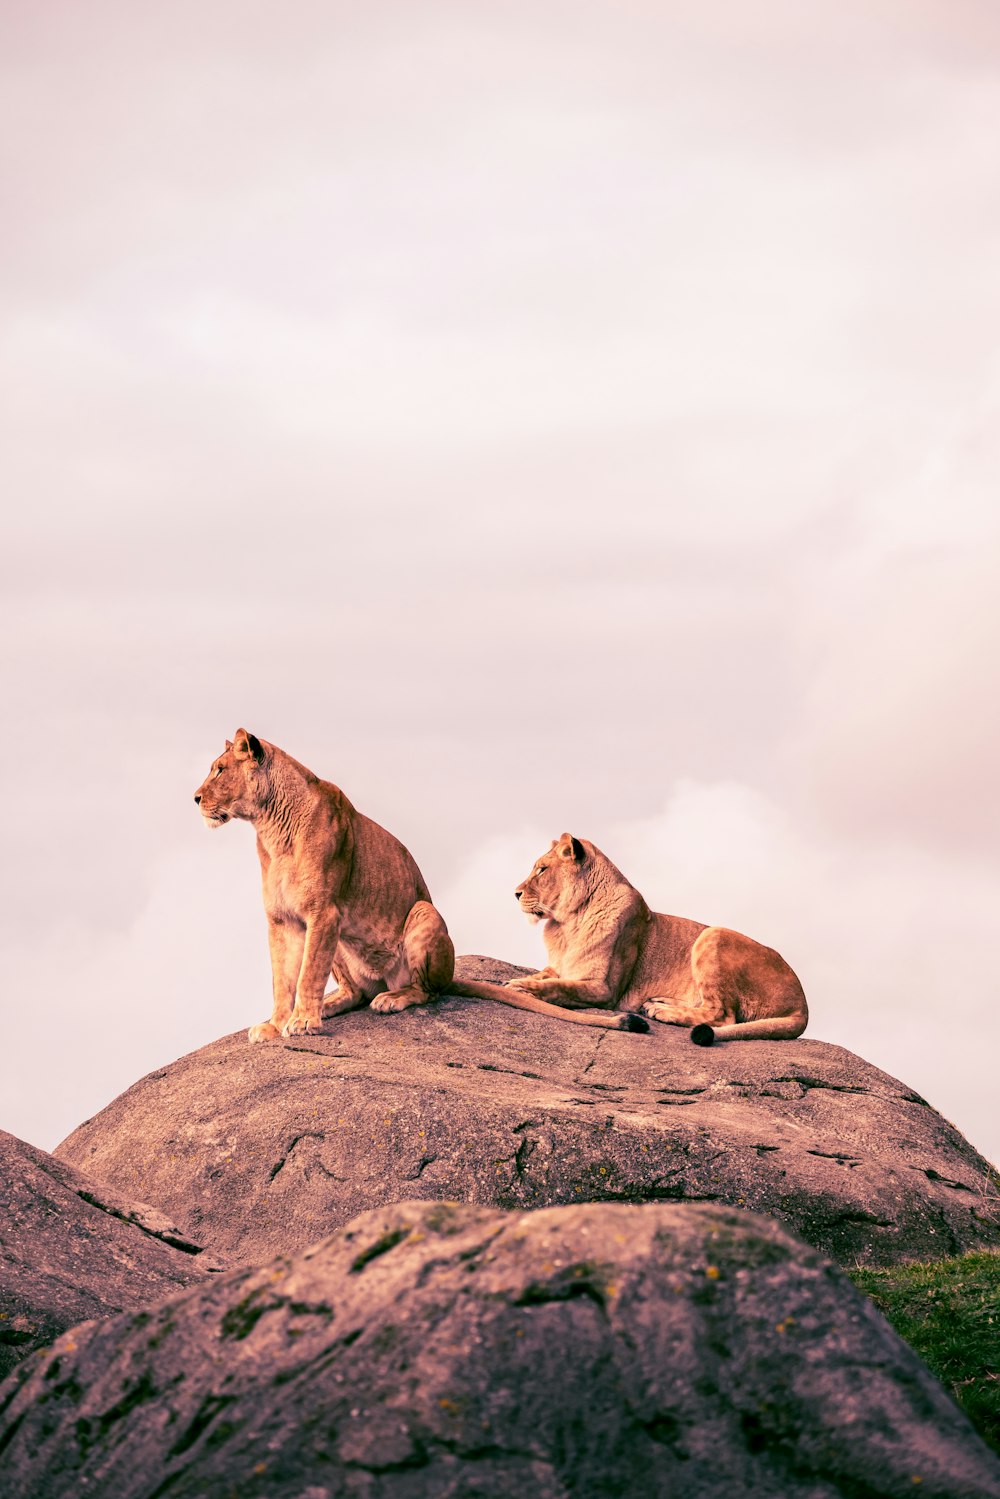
526 983
661 1009
299 1024
394 1000
263 1032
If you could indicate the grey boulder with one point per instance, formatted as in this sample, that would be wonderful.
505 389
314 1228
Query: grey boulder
442 1350
73 1248
261 1149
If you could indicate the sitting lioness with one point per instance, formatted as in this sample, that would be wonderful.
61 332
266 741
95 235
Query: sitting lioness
342 897
606 947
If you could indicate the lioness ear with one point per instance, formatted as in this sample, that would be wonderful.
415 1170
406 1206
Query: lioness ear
229 744
248 747
571 848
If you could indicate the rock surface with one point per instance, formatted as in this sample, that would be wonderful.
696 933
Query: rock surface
73 1248
262 1149
433 1349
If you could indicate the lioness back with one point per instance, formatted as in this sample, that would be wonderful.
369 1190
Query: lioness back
384 874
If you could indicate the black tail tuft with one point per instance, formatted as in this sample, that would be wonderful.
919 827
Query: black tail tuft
703 1035
634 1023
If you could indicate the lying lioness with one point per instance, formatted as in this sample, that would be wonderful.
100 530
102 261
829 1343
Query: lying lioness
606 947
342 897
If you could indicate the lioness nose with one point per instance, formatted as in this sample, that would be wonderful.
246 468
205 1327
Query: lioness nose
518 894
197 800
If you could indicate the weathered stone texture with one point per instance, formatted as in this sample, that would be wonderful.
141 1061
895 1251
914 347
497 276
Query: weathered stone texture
259 1149
73 1248
431 1350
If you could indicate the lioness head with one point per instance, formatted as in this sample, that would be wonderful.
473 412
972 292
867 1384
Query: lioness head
231 787
557 884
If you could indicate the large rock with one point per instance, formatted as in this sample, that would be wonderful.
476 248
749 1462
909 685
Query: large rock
431 1349
73 1248
257 1149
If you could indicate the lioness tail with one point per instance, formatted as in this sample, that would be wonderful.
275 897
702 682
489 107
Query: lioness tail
777 1028
613 1020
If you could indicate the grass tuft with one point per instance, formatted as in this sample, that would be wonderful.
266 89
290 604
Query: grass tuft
949 1312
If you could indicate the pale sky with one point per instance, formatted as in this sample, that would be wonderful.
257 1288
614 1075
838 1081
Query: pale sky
535 417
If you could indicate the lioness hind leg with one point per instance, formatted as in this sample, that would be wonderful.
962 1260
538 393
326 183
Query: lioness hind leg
400 999
428 961
346 996
758 996
338 1003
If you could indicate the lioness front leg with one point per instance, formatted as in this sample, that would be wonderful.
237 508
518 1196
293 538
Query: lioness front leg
582 995
321 938
285 941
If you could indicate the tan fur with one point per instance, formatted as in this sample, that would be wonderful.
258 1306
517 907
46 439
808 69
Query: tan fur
342 897
606 947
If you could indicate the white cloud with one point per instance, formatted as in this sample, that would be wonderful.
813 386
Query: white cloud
103 1007
516 412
